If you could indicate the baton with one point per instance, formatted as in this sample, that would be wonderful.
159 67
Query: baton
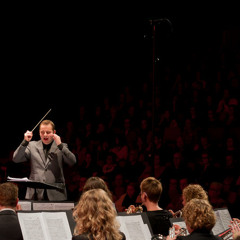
42 119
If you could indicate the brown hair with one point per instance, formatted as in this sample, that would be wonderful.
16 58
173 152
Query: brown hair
96 183
46 122
198 214
152 187
8 195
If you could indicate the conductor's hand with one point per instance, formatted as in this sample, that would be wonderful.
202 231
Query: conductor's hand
57 139
28 136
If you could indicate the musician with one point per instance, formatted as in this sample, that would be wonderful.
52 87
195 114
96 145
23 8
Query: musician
151 191
193 191
235 229
189 192
9 224
47 157
95 217
200 219
96 183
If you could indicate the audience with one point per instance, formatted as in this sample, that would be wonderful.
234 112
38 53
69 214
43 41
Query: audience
118 186
193 132
9 224
128 198
215 192
174 195
95 217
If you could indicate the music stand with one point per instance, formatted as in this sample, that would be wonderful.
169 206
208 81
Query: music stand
37 185
144 218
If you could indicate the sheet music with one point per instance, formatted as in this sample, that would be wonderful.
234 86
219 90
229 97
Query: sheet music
32 226
11 179
57 225
45 226
223 219
134 228
52 206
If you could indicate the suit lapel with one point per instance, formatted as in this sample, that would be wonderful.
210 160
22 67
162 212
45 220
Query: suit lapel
53 149
41 152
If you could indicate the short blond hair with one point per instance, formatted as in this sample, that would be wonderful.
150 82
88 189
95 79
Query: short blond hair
152 187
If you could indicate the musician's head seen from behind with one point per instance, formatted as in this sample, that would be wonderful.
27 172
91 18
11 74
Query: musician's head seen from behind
151 188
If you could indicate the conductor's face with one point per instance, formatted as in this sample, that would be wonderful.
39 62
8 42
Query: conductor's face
46 133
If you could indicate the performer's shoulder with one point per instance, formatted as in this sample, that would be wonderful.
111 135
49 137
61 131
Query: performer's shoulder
35 143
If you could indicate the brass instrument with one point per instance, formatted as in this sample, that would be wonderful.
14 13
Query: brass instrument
134 209
177 214
227 234
172 234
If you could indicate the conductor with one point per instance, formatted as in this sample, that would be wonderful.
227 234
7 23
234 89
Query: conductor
46 157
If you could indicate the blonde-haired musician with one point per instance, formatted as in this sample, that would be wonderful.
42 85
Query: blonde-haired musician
200 218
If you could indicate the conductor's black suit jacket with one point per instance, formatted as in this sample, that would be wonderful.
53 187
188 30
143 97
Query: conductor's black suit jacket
9 226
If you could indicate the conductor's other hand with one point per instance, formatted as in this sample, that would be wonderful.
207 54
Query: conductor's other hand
28 136
57 139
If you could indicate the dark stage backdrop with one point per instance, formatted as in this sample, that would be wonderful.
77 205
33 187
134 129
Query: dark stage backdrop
61 60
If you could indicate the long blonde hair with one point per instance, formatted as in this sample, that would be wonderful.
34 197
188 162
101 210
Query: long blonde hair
95 215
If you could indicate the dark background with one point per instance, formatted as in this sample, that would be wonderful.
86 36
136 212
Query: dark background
60 57
59 60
